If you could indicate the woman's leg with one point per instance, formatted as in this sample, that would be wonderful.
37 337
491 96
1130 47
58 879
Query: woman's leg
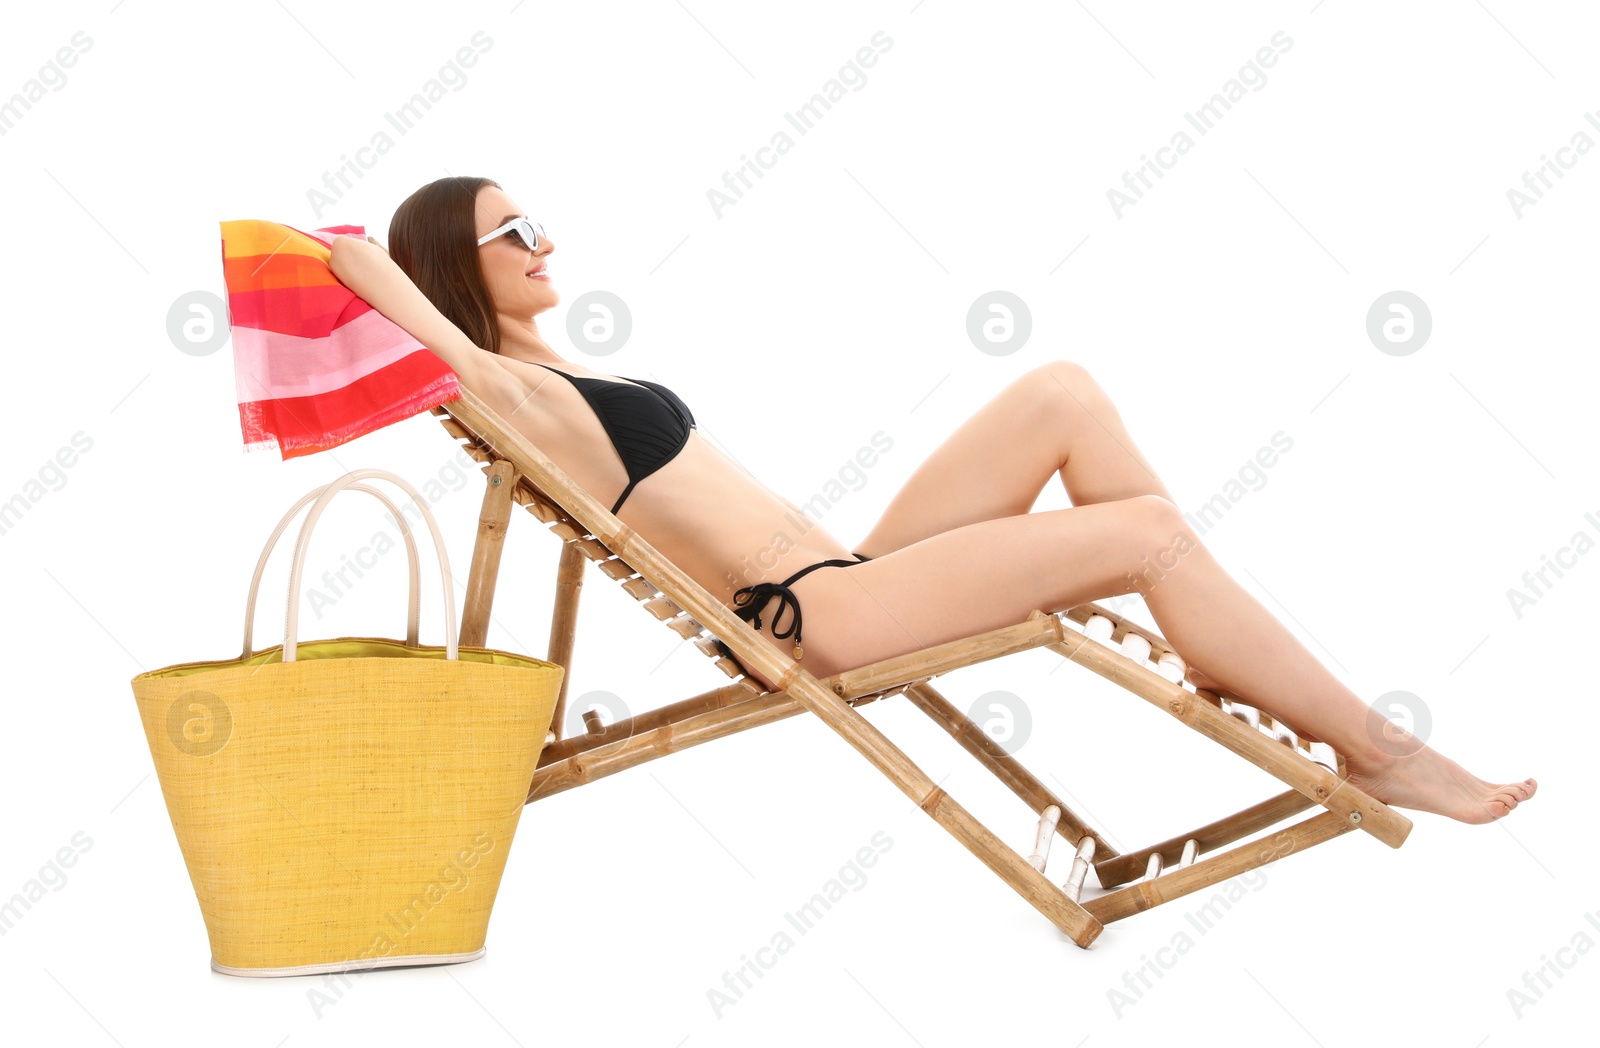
1052 420
989 574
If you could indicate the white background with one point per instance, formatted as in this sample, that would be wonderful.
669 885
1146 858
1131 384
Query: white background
830 303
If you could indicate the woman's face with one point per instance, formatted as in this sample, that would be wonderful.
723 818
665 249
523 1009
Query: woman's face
518 278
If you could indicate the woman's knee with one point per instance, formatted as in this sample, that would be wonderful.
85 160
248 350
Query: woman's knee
1065 390
1161 536
1054 376
1155 518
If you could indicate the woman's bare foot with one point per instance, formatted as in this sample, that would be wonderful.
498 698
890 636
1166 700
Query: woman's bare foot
1399 770
1428 781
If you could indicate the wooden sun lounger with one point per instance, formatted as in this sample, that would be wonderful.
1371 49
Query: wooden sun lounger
1121 651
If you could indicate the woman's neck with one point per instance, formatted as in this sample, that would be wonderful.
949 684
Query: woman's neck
520 340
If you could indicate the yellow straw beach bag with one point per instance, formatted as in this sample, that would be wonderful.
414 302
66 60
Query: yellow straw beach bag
347 804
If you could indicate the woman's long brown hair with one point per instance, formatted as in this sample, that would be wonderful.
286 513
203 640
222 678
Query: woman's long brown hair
433 238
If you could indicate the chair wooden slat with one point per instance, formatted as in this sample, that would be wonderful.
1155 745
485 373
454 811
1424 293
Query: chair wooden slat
685 627
456 429
639 588
708 647
591 548
565 531
662 608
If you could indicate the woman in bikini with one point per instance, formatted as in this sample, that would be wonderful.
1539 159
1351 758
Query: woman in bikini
468 277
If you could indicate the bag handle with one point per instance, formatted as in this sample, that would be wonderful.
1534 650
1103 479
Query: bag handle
292 617
412 615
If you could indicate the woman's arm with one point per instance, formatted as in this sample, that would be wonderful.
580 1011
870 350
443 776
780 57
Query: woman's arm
367 270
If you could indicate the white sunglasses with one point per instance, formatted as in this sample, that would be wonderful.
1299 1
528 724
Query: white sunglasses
521 228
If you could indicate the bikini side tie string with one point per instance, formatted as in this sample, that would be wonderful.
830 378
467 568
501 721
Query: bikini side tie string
752 599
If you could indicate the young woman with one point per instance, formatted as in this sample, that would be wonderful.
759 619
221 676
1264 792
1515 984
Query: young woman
957 552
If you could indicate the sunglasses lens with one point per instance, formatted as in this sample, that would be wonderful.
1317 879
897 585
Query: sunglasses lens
529 233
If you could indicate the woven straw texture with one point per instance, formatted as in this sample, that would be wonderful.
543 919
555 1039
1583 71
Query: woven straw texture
353 807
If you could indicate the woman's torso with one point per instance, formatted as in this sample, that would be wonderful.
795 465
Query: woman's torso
701 510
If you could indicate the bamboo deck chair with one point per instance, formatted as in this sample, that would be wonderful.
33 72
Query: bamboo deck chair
1124 652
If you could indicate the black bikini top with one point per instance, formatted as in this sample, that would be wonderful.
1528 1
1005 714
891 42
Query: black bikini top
647 423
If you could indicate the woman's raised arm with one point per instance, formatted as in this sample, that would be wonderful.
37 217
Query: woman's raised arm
367 270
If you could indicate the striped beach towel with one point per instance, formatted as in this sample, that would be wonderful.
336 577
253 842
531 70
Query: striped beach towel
315 366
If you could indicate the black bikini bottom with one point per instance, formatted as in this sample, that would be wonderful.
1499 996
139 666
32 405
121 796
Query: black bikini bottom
752 600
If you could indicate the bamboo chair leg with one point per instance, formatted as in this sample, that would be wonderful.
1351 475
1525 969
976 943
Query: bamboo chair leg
1004 766
564 625
638 747
674 715
1273 810
1062 910
1006 862
1142 895
493 520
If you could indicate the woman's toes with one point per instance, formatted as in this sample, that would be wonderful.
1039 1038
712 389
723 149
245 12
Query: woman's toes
1520 791
1499 808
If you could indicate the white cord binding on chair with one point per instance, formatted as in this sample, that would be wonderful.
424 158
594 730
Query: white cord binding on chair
1136 648
1170 665
1044 836
1080 868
